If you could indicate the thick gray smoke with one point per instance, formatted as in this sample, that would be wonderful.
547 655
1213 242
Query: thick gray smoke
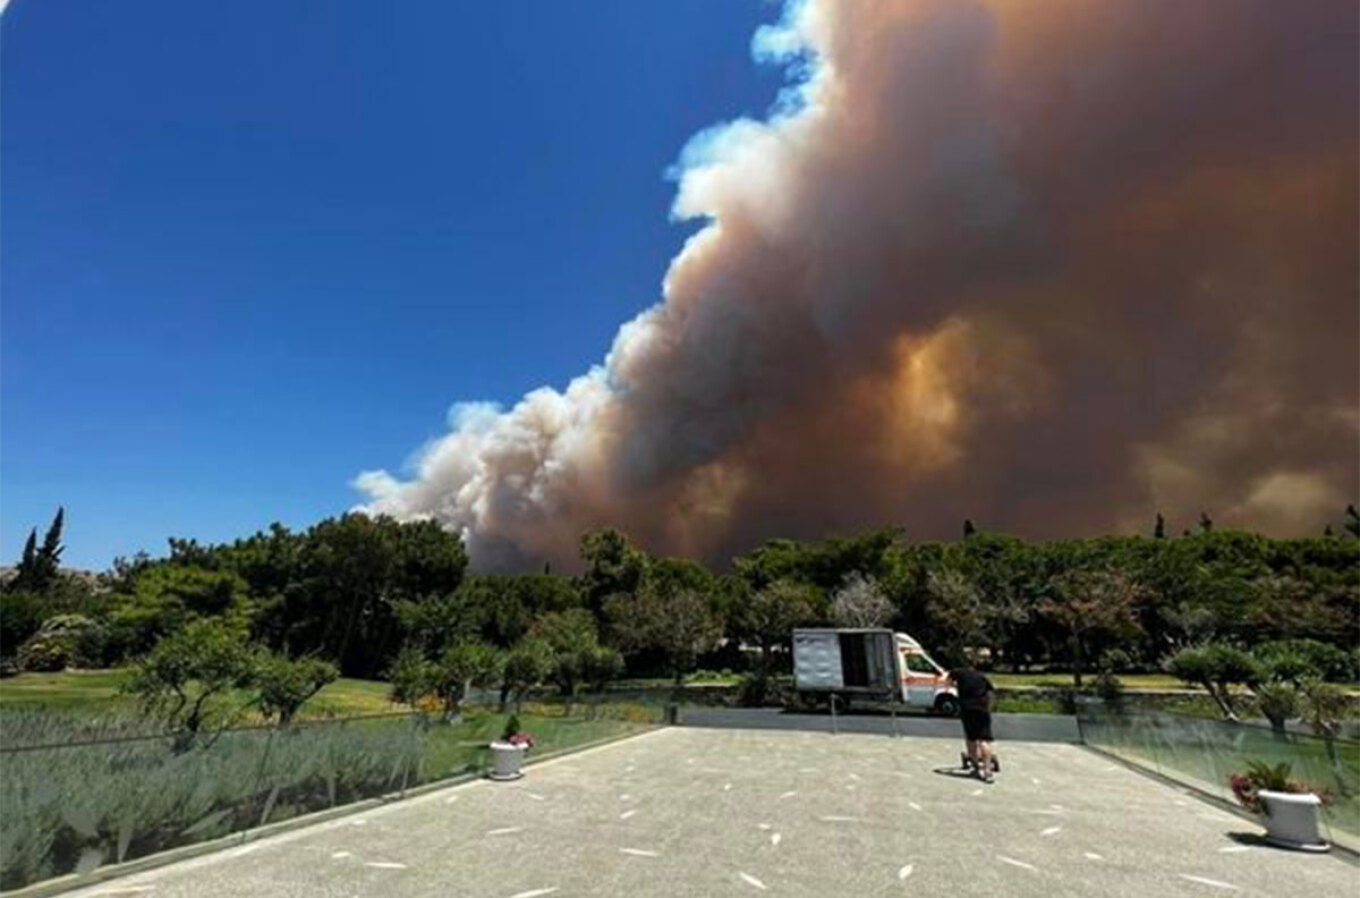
1051 266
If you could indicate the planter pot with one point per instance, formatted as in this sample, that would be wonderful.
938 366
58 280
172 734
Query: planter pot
1291 820
506 760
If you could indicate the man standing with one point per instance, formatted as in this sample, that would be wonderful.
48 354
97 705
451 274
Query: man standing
975 699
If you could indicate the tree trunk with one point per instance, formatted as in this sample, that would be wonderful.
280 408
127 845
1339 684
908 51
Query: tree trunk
1078 660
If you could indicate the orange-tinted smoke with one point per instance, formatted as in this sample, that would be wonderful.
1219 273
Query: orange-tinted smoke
1050 266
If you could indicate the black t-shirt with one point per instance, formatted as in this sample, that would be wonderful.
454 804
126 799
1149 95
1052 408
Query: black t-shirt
973 689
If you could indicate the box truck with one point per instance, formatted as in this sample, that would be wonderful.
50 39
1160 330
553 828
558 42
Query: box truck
869 665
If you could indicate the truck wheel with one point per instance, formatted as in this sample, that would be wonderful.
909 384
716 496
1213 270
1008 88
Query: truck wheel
947 706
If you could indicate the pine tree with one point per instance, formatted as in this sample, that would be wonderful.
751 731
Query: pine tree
968 528
1159 530
1206 523
1328 531
48 561
23 574
1352 524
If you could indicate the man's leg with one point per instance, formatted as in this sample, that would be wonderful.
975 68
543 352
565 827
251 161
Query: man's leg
984 760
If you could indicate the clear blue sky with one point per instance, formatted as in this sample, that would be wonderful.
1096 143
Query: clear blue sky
250 249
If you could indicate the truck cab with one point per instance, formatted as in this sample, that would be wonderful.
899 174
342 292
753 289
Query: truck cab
870 665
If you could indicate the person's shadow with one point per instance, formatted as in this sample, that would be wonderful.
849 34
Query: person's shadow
956 772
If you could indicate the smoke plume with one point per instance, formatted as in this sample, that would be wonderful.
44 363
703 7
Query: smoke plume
1050 266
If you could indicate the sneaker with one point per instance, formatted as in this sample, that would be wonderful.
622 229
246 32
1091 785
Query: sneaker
988 778
996 764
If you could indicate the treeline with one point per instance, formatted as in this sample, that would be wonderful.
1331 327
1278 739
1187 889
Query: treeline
379 598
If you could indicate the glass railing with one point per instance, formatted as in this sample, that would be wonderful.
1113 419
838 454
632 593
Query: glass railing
1204 754
71 808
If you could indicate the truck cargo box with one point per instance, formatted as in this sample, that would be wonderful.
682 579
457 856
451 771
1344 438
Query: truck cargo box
861 661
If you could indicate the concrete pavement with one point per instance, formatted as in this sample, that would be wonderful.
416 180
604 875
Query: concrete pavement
685 813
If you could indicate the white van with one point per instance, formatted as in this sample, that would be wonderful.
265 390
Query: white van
870 665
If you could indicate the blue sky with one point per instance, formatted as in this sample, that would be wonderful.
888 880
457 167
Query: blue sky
250 250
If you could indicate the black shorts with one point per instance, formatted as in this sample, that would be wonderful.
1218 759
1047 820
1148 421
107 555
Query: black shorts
977 725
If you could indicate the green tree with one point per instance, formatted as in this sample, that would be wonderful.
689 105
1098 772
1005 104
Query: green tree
1092 604
187 677
680 626
768 617
1326 708
956 613
527 665
284 685
1278 702
40 566
464 666
569 634
614 566
411 676
1217 668
600 666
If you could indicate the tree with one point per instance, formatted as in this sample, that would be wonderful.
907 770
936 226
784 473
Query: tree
969 529
1326 708
465 665
955 610
167 597
681 626
411 676
1217 668
570 634
1352 523
1159 529
1206 523
1088 604
768 616
860 603
600 666
187 672
526 665
1278 702
613 567
40 566
441 620
285 685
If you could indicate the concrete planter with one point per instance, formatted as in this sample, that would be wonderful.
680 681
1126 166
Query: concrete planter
506 760
1291 820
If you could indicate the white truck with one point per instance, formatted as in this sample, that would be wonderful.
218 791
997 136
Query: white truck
870 665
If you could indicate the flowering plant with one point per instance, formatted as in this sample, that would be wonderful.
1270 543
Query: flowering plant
514 735
1260 776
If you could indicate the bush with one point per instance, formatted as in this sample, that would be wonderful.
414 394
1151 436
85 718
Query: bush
1110 689
1278 702
1217 668
1297 660
65 640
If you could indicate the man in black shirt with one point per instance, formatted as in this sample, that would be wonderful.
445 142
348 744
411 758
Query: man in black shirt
975 698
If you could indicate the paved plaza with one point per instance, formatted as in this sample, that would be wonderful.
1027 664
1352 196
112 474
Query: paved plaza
712 812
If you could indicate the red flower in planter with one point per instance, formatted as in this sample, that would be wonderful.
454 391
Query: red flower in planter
522 739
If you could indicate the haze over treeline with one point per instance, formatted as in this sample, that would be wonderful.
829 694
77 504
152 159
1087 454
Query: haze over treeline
1053 266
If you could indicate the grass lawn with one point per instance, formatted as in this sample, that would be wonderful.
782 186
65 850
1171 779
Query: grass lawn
1065 680
98 689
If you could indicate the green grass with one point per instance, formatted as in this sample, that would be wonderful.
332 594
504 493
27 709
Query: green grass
1066 680
80 690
